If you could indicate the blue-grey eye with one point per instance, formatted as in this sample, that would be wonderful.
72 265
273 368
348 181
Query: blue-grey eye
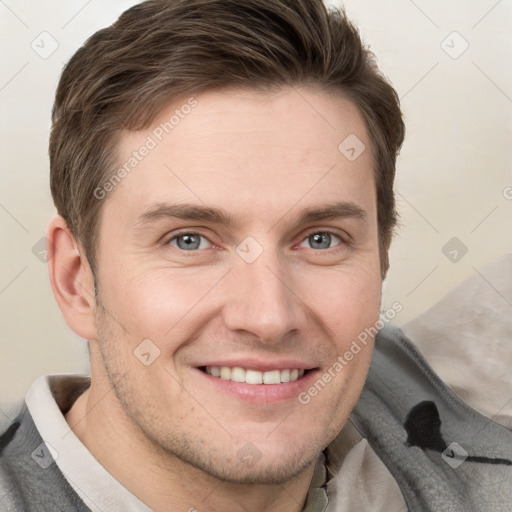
321 240
188 241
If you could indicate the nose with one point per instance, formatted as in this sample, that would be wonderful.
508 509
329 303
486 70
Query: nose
263 300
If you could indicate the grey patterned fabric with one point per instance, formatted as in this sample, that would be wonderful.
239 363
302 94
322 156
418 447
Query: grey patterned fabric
30 481
444 455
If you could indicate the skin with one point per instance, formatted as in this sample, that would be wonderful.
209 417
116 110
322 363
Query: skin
166 431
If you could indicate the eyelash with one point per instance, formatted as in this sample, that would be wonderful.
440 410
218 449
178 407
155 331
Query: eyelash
343 240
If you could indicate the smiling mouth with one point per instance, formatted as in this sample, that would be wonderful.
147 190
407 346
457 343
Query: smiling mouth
247 376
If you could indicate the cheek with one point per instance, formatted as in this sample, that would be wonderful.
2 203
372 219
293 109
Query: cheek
155 302
348 300
166 304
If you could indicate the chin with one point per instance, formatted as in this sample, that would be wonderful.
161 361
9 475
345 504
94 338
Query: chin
261 469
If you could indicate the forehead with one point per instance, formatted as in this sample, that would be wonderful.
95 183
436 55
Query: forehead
250 150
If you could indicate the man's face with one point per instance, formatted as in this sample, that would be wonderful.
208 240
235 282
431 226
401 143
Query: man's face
265 293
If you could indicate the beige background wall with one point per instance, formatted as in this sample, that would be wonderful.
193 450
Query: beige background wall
454 174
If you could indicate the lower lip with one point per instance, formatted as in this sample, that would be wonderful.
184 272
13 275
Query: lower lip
261 393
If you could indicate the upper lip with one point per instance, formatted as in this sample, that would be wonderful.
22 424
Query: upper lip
260 365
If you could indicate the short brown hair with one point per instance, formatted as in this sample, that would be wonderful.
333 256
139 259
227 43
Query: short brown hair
162 49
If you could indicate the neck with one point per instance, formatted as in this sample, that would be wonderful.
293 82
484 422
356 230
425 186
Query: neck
161 480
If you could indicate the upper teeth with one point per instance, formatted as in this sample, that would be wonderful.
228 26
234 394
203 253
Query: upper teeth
238 374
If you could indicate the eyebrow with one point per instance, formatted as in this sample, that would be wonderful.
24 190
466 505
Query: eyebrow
193 212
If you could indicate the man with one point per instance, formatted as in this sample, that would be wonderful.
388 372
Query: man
223 173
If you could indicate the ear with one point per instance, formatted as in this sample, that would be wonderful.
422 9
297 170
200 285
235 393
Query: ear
71 279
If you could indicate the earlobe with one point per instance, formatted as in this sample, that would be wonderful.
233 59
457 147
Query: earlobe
71 279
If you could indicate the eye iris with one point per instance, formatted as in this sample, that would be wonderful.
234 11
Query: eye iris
324 239
189 241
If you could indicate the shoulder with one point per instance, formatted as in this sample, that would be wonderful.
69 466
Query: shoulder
10 460
439 450
29 477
